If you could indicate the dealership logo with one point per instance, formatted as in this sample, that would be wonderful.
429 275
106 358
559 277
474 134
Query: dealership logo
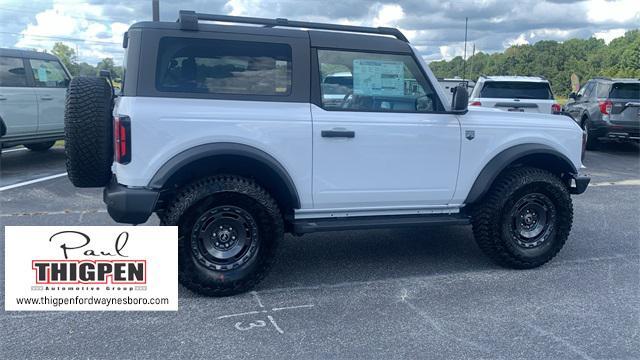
88 271
91 268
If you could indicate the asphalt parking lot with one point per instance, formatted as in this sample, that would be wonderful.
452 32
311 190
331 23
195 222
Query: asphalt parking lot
409 293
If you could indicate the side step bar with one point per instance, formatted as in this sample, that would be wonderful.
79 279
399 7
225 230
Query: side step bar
304 226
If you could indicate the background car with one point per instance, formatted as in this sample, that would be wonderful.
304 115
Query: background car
336 86
607 108
32 95
450 83
515 93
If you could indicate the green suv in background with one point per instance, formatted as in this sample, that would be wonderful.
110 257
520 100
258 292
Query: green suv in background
607 109
32 94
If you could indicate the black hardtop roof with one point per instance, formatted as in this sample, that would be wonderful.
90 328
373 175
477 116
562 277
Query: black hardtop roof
329 35
31 54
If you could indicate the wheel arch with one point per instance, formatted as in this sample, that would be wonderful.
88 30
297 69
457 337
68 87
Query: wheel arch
584 118
238 159
536 155
3 127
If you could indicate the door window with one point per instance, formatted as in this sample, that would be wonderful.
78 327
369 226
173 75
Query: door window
589 89
363 81
49 73
12 72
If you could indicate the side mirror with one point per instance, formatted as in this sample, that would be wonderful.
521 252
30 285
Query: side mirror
573 96
460 99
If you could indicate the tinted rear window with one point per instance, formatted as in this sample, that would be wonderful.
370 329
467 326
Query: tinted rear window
516 90
223 67
12 72
625 91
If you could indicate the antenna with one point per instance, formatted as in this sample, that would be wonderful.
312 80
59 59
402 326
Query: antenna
155 6
464 64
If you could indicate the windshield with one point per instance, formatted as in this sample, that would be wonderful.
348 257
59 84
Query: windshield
625 91
516 90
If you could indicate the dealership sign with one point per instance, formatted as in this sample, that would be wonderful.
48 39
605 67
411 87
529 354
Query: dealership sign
91 268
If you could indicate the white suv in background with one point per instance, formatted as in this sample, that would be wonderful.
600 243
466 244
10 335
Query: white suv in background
32 93
515 93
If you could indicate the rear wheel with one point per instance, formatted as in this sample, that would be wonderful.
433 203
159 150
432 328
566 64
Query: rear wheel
42 146
525 219
229 228
592 141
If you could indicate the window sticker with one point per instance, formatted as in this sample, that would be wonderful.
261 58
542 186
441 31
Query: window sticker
42 73
376 77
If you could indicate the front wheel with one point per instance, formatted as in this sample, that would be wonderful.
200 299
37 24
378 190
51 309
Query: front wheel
229 227
525 218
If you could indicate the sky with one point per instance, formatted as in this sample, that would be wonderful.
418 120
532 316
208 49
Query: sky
436 27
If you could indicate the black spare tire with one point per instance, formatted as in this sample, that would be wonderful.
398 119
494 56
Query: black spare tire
88 131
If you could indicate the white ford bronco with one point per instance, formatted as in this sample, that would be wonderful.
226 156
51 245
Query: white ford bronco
226 132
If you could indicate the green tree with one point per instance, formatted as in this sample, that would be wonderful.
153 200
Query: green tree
556 61
108 64
68 57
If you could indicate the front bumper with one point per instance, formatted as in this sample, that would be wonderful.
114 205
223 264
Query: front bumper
579 184
129 205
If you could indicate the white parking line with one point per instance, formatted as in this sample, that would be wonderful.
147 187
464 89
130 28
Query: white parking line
12 150
34 181
630 182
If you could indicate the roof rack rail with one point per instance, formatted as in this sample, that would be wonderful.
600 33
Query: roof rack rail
189 21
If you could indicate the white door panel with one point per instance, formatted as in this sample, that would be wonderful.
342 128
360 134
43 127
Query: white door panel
18 105
394 159
19 110
51 81
51 109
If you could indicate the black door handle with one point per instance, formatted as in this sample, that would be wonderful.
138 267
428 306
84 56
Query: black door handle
338 133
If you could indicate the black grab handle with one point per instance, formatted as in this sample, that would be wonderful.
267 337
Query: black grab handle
338 133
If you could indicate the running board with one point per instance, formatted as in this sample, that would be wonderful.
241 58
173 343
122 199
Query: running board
303 226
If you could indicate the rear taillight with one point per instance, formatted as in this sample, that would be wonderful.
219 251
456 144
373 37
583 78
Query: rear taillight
475 103
605 107
122 139
556 109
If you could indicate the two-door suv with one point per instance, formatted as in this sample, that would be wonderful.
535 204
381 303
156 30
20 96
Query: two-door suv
226 132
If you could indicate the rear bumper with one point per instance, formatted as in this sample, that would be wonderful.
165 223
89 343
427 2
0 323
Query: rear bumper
623 134
129 205
579 184
618 132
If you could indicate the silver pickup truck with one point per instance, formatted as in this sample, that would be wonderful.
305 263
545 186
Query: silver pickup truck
32 95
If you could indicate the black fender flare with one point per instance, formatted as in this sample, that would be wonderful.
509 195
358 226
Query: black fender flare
196 153
507 157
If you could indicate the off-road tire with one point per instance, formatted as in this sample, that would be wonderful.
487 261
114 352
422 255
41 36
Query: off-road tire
41 146
489 217
197 199
88 129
